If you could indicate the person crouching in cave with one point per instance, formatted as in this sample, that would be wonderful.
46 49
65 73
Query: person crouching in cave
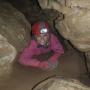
43 41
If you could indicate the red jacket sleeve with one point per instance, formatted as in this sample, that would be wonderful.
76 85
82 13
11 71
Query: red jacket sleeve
57 48
26 57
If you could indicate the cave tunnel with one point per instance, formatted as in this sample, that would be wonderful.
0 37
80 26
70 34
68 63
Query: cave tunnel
16 20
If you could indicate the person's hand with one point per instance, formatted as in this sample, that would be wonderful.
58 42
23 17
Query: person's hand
34 63
44 65
53 65
48 65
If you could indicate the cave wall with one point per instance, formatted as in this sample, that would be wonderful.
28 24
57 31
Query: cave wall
14 36
75 26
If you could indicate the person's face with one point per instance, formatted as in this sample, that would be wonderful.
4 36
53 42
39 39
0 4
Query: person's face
42 39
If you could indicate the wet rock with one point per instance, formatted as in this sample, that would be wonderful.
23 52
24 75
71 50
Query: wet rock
14 35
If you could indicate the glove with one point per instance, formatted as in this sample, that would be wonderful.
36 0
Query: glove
48 65
52 65
44 65
34 63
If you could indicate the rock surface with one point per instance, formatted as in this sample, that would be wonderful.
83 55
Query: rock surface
59 83
7 56
76 23
14 35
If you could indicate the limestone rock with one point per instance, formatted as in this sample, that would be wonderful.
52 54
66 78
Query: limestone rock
7 56
80 3
76 24
59 83
14 35
13 26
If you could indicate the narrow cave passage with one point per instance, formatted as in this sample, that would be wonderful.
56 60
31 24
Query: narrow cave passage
71 64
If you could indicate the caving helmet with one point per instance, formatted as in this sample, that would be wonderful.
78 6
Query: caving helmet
40 28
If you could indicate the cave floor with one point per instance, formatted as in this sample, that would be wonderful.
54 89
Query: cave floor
22 78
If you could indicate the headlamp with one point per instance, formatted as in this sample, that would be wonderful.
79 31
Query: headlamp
44 30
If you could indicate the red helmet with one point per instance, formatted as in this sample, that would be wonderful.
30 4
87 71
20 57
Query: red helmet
40 27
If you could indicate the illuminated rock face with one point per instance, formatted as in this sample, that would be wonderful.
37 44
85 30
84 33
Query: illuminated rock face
7 56
58 83
14 35
76 24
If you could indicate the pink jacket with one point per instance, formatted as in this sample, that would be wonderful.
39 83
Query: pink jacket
26 57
